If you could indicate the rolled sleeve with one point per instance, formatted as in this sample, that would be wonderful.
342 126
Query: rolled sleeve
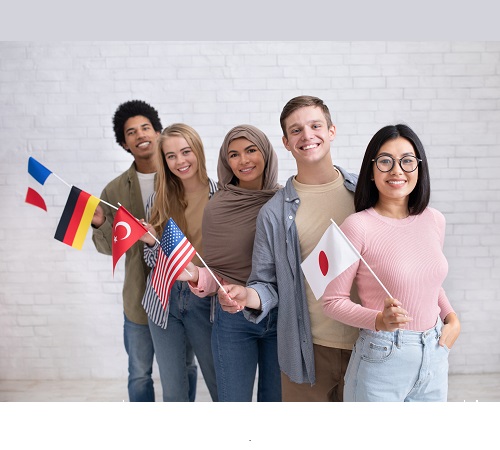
206 284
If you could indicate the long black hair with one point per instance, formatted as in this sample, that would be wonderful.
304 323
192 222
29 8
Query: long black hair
366 194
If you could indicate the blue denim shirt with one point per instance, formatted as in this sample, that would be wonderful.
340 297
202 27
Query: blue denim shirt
277 277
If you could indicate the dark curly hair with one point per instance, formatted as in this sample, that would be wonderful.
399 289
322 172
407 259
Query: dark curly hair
130 109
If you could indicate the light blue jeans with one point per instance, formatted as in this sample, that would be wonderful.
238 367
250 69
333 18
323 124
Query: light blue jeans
139 347
188 327
398 366
239 347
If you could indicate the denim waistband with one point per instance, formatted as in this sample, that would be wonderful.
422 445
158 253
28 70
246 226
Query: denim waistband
401 336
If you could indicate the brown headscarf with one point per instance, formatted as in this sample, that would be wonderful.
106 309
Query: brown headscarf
228 226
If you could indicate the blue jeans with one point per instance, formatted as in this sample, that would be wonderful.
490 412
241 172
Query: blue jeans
139 346
239 346
398 366
189 328
162 358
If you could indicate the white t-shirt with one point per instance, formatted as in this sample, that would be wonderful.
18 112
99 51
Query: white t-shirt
147 183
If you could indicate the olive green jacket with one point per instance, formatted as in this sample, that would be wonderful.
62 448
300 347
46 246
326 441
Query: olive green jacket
126 190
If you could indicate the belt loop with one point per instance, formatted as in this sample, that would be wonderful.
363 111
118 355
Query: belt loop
439 328
399 337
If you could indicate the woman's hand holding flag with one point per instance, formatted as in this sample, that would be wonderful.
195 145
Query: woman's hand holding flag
237 297
190 274
150 237
392 317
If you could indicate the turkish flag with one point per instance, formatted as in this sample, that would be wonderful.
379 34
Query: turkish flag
126 232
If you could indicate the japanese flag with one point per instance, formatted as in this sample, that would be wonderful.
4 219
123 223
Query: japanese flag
333 254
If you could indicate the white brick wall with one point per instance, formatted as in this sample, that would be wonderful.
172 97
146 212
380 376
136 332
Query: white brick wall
60 313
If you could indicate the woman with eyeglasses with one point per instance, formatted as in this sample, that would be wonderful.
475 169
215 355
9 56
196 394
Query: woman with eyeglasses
402 350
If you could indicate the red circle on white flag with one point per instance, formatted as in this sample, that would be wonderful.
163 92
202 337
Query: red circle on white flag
323 262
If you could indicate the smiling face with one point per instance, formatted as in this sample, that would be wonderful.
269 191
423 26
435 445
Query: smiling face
396 184
308 136
140 137
247 163
180 158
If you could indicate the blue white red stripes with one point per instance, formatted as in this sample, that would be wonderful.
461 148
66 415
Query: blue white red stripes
174 255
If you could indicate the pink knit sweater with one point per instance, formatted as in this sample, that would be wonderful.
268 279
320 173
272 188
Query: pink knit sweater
206 285
406 255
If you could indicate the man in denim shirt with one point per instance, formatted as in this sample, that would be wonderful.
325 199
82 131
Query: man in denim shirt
313 350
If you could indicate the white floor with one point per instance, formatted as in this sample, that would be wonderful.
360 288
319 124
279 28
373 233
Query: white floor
462 388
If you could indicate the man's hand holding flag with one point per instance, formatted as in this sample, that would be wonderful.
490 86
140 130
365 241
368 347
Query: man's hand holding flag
127 230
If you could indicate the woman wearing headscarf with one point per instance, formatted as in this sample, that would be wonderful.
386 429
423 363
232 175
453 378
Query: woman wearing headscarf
247 170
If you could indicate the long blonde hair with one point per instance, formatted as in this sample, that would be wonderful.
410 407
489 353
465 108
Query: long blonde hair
169 201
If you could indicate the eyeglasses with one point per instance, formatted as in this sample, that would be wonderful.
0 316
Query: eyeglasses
385 163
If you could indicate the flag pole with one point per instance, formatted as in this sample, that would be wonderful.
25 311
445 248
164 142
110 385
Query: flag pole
211 273
70 186
361 258
60 179
109 204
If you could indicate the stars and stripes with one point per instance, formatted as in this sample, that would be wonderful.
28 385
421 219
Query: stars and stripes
174 255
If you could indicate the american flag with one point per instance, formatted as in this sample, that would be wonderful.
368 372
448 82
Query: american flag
174 255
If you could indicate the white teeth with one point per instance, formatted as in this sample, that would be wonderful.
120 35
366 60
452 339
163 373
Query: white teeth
246 170
183 169
307 147
396 182
143 144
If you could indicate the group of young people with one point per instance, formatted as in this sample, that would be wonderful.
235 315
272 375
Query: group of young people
252 308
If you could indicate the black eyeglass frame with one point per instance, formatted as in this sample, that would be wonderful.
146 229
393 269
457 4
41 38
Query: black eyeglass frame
394 161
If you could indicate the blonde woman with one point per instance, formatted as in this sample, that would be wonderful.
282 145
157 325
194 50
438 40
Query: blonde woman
183 188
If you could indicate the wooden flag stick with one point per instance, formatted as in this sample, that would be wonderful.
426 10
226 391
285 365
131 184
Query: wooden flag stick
60 179
70 186
211 273
361 258
109 204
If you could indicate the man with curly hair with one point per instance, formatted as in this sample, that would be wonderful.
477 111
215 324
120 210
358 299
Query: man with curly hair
136 126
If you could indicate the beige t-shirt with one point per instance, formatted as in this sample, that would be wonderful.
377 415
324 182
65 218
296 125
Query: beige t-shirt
319 204
196 202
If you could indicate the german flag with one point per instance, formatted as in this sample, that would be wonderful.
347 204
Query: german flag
76 218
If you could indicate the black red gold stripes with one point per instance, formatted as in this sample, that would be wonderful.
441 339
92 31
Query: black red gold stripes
76 218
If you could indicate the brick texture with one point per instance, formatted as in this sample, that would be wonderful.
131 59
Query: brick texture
60 312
